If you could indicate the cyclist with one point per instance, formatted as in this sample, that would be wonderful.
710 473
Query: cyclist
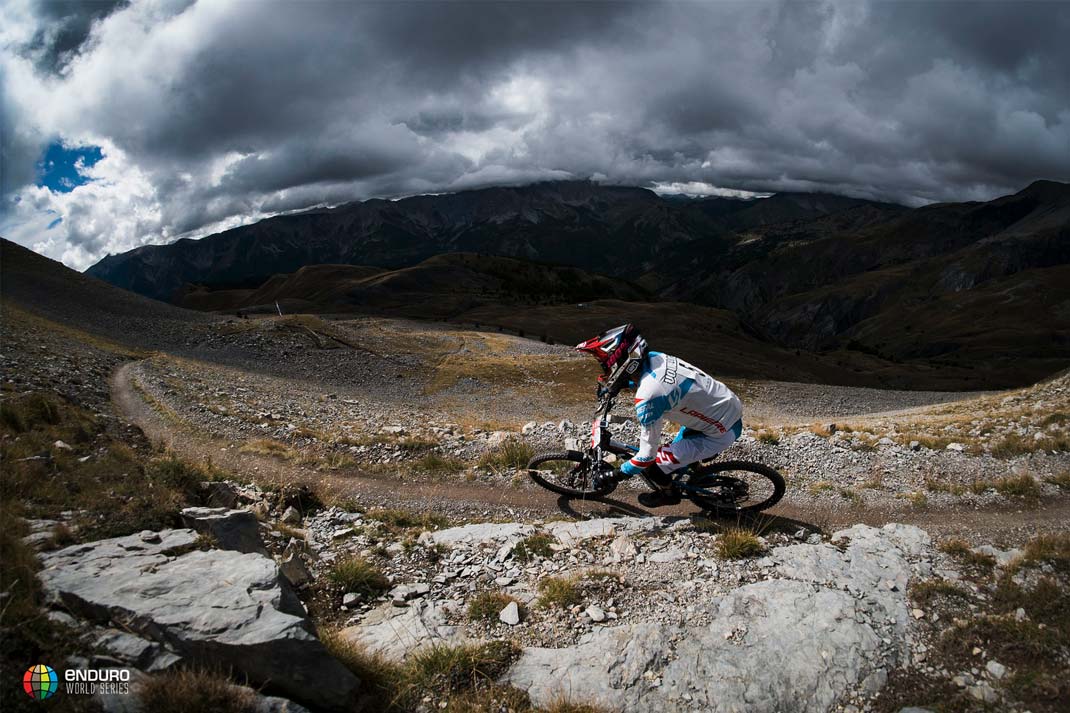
666 388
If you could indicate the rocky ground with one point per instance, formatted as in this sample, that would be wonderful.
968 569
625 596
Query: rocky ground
354 486
616 614
434 420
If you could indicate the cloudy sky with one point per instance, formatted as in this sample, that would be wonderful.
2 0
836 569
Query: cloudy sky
125 123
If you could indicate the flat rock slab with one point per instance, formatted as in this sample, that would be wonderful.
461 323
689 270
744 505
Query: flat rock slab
395 632
569 533
219 608
478 533
795 643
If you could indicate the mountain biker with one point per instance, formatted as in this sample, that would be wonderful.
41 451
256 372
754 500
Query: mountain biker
666 388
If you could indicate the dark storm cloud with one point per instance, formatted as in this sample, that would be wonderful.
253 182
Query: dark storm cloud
212 114
64 28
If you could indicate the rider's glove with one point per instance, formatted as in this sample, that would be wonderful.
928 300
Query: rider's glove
627 469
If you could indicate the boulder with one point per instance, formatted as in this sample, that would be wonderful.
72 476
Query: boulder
793 643
231 529
510 614
219 608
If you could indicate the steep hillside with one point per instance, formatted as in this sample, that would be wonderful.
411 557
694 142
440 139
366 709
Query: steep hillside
52 290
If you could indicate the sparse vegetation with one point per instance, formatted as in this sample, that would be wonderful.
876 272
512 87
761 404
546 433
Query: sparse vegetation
929 591
738 543
357 574
1053 550
486 606
1062 480
1023 486
398 519
961 551
537 545
822 487
771 438
558 592
185 690
435 463
510 455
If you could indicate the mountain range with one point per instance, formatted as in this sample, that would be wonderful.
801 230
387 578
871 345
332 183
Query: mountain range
982 288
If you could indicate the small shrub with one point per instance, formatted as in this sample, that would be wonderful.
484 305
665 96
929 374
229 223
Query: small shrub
918 499
738 543
193 690
511 454
357 574
537 545
486 606
558 592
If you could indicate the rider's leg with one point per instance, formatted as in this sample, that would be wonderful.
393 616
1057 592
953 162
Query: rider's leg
688 447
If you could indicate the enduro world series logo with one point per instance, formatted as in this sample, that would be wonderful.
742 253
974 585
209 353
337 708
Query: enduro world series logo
42 682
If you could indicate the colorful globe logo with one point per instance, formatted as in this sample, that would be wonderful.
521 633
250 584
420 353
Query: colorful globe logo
40 682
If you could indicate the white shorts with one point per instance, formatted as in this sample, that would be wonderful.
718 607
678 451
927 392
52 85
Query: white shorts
693 446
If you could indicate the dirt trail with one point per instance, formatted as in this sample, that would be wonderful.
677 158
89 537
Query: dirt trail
1000 524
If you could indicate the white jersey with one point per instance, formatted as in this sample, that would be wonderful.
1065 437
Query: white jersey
671 389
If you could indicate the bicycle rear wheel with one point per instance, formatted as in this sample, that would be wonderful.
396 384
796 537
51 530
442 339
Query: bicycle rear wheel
734 487
567 473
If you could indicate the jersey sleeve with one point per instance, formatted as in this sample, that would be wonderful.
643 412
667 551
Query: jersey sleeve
650 413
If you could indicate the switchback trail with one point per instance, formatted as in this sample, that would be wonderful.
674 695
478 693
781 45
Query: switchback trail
460 499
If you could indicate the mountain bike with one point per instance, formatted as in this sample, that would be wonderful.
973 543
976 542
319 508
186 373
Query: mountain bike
721 488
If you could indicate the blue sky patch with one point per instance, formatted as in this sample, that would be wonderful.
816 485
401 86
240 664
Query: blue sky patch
58 168
54 223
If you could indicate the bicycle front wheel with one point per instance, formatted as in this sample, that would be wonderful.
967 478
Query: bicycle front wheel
568 473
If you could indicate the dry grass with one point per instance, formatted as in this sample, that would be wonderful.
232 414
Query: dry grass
1053 550
358 575
486 606
512 454
194 691
537 545
822 487
398 519
435 463
1062 480
558 592
771 438
738 543
929 591
961 551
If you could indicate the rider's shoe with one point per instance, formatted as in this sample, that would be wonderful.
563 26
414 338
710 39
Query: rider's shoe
659 498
